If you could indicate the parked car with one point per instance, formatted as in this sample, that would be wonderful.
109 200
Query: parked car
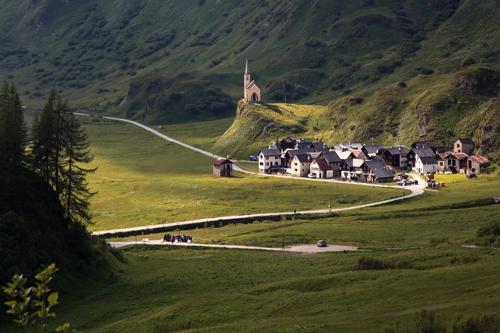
448 172
405 182
321 243
312 175
253 158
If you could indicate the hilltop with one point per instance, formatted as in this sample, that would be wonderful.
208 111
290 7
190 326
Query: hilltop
439 108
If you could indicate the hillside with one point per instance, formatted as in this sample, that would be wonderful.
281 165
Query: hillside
309 51
439 108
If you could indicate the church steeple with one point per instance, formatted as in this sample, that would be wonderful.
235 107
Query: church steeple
246 67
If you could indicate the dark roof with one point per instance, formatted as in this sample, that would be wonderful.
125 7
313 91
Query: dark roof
424 152
422 144
466 141
323 165
319 146
294 152
445 155
374 164
221 161
373 149
289 140
428 159
400 150
303 158
378 169
303 144
331 157
271 152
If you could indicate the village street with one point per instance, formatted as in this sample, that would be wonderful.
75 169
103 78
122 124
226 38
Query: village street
416 190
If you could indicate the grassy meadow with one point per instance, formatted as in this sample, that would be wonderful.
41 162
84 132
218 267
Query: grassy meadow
208 290
144 180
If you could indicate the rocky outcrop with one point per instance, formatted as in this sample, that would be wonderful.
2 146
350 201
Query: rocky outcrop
482 81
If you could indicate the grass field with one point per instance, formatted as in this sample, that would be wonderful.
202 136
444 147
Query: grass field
444 217
173 290
143 180
196 290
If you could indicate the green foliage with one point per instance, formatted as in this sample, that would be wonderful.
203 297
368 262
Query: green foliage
484 324
32 306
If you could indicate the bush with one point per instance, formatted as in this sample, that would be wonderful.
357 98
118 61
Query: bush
376 264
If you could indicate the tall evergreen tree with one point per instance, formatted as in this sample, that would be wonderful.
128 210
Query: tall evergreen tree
12 126
44 140
76 193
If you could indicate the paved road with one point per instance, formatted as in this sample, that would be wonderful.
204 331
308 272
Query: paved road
415 191
296 249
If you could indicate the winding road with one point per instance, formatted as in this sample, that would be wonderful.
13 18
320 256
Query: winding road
415 191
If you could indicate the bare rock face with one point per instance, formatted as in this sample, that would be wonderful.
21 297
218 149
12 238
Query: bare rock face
482 81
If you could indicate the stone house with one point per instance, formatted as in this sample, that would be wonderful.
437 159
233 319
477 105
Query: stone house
446 162
462 162
463 145
300 165
222 167
477 164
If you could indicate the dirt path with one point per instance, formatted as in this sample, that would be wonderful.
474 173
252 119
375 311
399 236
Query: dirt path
297 249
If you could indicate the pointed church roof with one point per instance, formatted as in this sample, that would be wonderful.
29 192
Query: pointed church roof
251 84
246 67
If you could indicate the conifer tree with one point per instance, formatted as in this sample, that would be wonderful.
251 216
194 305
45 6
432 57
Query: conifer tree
44 140
12 126
76 194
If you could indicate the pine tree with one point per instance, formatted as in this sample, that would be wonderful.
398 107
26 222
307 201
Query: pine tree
44 140
12 127
76 194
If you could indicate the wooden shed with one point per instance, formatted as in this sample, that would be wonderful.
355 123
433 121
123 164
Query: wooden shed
222 167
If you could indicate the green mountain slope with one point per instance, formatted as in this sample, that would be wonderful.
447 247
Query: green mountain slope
178 61
439 108
307 50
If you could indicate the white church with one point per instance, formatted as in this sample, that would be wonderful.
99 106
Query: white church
251 91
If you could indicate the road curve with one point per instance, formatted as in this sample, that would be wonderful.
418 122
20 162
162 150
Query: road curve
296 249
415 191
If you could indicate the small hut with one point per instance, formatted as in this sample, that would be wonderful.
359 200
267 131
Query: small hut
222 167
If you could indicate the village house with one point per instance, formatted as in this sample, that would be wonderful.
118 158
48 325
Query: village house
447 162
300 165
351 169
269 160
375 171
462 161
463 145
396 156
222 167
477 164
424 151
344 155
359 154
425 164
373 150
320 168
334 161
251 91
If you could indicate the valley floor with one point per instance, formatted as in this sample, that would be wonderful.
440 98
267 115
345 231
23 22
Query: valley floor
418 245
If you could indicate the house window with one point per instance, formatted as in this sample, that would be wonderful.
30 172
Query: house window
261 163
